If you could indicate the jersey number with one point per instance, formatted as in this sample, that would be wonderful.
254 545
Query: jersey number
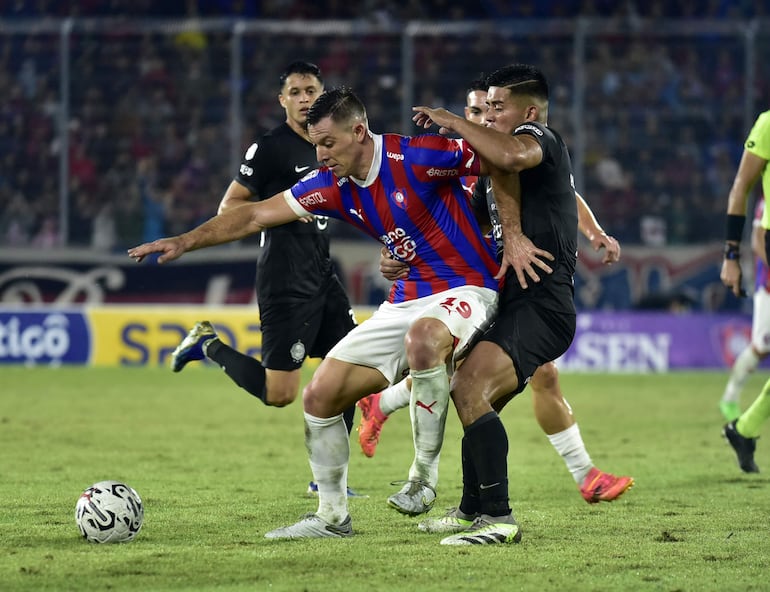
452 305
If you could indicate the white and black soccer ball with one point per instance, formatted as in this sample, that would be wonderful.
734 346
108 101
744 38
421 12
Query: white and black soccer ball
109 512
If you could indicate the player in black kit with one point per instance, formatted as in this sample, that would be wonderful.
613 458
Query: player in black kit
536 314
303 307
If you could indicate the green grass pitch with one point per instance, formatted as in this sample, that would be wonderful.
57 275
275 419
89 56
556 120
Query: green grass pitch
216 470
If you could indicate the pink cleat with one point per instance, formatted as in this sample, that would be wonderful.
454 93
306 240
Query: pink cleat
372 419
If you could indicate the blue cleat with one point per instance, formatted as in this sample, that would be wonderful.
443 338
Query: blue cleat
193 347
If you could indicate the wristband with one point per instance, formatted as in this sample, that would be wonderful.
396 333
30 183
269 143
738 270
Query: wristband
732 251
735 227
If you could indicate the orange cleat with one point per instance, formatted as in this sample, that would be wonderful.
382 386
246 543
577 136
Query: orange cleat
599 486
370 427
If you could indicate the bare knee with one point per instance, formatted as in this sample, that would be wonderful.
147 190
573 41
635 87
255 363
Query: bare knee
428 343
281 387
545 380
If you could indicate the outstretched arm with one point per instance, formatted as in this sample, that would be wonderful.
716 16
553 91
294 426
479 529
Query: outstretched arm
230 225
593 231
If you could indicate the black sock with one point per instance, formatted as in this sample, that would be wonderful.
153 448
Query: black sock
470 503
488 447
247 372
349 417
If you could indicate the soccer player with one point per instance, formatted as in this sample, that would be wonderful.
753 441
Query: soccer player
759 346
406 193
552 411
742 432
535 324
303 307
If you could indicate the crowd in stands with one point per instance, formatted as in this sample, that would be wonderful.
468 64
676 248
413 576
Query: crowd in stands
149 134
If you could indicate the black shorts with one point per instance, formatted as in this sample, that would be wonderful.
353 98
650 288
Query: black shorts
294 331
532 334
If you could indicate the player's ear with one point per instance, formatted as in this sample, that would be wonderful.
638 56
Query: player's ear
359 131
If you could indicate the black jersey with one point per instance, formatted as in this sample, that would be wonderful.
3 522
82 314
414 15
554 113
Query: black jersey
294 263
548 218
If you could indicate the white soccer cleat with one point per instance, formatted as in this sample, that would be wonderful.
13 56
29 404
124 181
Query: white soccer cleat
414 498
312 526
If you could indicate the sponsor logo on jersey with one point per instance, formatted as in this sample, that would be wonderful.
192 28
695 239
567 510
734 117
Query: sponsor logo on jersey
312 199
252 150
434 172
529 127
342 181
246 170
357 214
395 156
400 244
399 197
297 351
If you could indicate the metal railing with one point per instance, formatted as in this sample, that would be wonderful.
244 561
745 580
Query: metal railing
655 113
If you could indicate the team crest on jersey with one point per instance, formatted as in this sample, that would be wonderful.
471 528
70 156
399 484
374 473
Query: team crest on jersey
399 197
297 351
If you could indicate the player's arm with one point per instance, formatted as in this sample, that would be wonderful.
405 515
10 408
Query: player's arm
231 225
511 153
749 172
592 230
519 252
235 196
758 240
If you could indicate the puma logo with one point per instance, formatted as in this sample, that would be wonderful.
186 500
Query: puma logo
428 408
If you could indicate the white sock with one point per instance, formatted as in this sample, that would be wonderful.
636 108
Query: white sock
329 446
745 364
395 397
428 409
569 444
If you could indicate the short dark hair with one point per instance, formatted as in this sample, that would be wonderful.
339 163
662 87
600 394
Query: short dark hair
521 79
300 67
341 104
478 83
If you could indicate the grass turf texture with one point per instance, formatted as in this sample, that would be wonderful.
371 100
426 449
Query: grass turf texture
216 470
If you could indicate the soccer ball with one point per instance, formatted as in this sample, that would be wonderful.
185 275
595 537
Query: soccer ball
109 512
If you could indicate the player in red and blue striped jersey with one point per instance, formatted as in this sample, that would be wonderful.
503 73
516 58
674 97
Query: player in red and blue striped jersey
407 194
415 205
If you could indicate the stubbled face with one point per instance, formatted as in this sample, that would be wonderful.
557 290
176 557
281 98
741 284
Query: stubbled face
507 111
476 106
337 147
299 92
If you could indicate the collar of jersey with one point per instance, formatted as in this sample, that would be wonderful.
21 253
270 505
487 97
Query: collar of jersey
374 168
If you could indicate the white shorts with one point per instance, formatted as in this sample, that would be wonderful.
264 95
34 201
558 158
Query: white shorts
760 321
378 342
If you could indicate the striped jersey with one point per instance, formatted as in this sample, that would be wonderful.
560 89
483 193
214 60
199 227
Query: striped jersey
414 203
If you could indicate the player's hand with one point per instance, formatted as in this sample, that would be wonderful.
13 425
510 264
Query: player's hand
523 256
170 249
426 116
609 244
307 219
732 276
392 269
